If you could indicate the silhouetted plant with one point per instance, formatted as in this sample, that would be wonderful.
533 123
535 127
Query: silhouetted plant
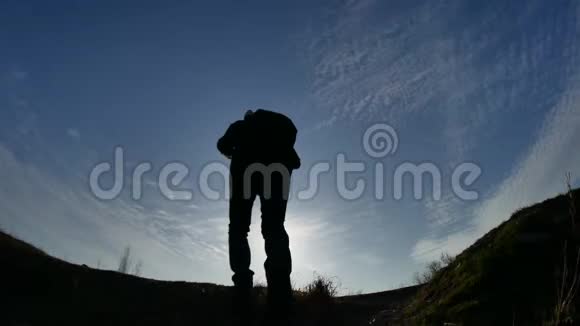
137 269
571 200
567 289
321 288
568 283
125 261
126 264
433 268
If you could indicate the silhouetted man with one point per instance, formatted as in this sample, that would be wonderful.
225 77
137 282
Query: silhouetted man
261 149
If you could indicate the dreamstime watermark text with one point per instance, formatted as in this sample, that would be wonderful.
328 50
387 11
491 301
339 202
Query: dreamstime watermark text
379 141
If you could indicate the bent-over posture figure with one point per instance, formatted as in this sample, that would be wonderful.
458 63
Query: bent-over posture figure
261 149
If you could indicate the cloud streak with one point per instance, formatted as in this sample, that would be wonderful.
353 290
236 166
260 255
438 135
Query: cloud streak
475 73
537 176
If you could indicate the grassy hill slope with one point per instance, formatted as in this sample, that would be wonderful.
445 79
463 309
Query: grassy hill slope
511 275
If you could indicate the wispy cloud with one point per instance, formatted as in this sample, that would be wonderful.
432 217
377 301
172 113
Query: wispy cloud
74 133
37 204
363 72
539 175
432 60
469 72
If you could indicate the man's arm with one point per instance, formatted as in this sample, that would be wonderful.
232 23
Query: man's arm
228 143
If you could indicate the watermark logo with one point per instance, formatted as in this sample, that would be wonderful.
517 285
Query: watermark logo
380 140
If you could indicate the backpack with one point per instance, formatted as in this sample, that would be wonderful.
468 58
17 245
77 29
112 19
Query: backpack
273 130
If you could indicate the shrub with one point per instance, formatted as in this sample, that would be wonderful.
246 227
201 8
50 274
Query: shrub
433 269
323 288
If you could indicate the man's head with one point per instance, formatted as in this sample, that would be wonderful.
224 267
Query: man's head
248 114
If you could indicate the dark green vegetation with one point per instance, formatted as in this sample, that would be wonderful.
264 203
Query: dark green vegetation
513 275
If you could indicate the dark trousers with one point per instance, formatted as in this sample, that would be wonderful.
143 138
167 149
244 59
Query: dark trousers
278 264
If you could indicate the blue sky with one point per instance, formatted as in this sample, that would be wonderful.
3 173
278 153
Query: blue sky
495 83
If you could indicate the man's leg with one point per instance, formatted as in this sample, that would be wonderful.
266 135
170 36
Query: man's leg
240 256
240 218
278 264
